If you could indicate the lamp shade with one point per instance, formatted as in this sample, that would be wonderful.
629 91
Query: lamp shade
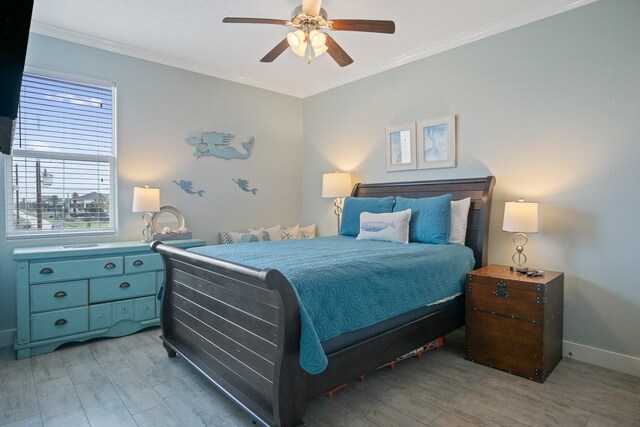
520 217
297 42
337 184
146 199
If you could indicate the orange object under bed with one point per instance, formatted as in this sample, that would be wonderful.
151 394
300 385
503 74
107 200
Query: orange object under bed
417 353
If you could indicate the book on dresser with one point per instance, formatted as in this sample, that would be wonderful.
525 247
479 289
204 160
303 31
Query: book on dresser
69 293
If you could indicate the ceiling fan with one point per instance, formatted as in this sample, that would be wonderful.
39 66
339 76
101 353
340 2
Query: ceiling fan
308 41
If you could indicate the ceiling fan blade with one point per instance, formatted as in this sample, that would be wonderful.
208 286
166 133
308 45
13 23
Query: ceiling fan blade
276 51
337 53
232 20
367 25
311 7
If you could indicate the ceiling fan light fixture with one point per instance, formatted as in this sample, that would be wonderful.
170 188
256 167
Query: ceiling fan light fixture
307 40
320 50
318 39
296 40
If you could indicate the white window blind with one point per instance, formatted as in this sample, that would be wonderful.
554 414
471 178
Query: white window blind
61 173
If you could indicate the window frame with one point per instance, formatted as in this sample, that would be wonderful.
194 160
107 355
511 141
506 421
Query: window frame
112 160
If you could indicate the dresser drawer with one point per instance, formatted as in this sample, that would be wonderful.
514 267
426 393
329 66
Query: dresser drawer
100 316
56 296
58 323
123 310
142 263
504 298
54 271
145 308
507 344
122 287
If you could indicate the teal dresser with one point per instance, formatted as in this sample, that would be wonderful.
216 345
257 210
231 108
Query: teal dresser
77 292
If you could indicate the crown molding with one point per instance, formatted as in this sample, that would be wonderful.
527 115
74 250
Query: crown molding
490 29
458 40
148 55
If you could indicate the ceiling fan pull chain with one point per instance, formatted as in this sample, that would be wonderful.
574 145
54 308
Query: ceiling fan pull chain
309 53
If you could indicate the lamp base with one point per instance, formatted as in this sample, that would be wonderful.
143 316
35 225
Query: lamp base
519 269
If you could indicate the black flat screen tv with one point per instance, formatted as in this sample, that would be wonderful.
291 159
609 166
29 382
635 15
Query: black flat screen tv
15 20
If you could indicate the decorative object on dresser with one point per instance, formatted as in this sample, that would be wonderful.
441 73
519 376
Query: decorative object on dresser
436 146
77 292
336 185
146 200
168 224
514 321
520 217
257 360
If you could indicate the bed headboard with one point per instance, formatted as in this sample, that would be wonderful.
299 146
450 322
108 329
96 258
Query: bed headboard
479 189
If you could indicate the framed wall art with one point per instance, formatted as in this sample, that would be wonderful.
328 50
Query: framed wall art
436 146
401 147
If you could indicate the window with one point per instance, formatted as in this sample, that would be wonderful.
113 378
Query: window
60 177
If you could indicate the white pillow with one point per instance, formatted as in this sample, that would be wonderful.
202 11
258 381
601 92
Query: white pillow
258 232
273 233
388 227
291 233
308 231
459 215
243 237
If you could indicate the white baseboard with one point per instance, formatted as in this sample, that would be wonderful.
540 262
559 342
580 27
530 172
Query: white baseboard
603 358
6 337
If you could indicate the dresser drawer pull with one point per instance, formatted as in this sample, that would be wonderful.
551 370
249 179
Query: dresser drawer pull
124 310
109 265
60 294
125 285
46 270
138 262
60 322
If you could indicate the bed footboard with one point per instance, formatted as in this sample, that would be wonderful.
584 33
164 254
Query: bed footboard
240 327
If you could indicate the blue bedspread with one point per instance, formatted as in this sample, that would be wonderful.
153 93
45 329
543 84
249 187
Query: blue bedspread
344 284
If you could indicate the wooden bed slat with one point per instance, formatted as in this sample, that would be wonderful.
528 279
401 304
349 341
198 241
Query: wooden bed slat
252 289
234 387
247 364
220 296
242 340
241 329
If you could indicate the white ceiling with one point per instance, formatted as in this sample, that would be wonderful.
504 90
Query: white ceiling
190 34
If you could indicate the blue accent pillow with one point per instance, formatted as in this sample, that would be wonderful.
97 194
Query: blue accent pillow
354 206
430 218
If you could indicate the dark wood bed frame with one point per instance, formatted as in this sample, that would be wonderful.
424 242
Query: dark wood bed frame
240 326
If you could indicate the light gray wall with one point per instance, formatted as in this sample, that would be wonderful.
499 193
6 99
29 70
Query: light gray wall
552 110
157 107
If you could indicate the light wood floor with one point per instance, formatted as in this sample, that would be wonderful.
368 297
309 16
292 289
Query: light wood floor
129 381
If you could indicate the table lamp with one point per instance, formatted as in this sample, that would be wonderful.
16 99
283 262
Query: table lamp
520 217
146 200
338 185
